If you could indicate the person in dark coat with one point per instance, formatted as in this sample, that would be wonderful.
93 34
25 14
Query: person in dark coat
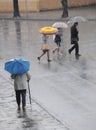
74 40
65 8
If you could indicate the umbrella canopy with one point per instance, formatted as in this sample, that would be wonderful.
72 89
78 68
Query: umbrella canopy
60 25
48 30
17 66
77 19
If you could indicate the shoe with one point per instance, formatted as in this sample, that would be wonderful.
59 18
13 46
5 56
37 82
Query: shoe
79 54
18 108
49 60
53 51
69 51
64 16
23 108
38 58
60 53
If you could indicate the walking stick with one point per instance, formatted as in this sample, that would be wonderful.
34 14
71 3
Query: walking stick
29 93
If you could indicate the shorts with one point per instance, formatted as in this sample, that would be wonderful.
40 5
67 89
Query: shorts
45 50
58 44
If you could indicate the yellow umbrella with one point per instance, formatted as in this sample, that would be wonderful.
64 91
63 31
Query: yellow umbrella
48 30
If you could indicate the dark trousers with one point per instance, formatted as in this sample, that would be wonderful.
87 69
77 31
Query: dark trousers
65 12
21 94
16 8
65 8
76 47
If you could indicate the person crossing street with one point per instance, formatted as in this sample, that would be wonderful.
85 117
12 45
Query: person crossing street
74 40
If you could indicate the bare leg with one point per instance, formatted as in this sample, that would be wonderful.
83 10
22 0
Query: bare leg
42 54
48 56
56 49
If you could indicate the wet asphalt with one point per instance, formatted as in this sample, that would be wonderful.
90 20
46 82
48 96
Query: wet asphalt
63 91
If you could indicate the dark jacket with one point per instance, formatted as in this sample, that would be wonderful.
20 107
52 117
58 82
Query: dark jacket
74 35
57 38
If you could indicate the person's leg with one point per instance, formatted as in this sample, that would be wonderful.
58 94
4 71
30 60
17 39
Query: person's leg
18 99
23 92
59 45
48 56
72 48
57 48
65 11
76 49
41 55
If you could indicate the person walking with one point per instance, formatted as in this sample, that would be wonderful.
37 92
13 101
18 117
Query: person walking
65 8
45 48
57 40
74 40
20 86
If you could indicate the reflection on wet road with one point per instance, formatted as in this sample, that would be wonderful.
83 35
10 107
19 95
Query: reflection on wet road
26 121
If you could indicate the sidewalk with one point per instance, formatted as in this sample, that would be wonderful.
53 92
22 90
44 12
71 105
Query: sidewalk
35 118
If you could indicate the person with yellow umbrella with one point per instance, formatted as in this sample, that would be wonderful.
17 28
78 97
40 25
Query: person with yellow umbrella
46 31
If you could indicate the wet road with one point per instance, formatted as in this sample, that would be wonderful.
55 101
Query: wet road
66 86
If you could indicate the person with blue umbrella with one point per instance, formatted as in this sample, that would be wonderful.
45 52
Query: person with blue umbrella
18 68
20 86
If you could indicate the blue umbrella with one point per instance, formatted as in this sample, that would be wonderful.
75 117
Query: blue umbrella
17 66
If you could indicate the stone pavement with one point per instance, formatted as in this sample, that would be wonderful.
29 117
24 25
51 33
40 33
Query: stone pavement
35 117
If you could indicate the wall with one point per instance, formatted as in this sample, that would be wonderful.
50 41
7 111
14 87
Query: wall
37 5
56 4
30 5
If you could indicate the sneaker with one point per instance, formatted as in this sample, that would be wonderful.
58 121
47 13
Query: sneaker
69 51
18 108
78 55
60 53
49 60
53 51
23 108
38 58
